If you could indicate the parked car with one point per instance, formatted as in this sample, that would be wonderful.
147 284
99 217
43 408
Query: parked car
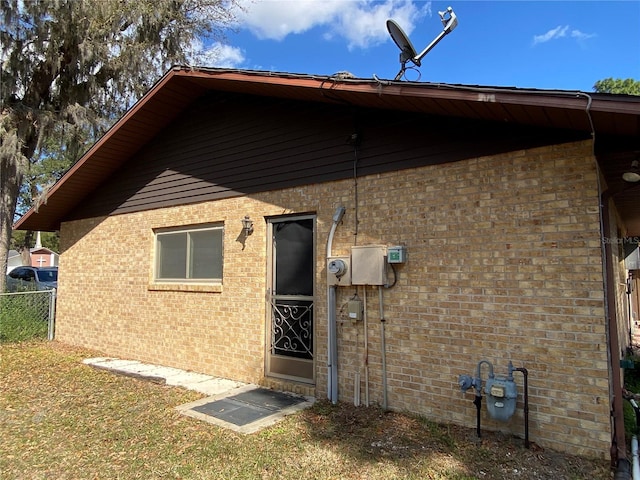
32 278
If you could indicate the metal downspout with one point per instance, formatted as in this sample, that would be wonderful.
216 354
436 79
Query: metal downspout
332 341
618 447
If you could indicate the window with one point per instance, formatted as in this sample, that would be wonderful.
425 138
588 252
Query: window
48 275
192 255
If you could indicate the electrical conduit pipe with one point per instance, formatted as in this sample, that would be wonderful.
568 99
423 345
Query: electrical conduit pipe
634 456
385 402
365 355
332 341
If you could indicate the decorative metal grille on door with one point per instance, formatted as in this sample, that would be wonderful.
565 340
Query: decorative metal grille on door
292 328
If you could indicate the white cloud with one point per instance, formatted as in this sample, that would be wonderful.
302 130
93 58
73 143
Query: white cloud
577 34
365 27
215 55
561 32
552 34
360 22
276 19
226 56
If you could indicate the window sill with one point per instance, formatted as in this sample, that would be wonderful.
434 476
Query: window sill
185 287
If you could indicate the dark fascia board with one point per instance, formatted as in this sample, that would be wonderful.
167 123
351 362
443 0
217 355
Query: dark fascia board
182 85
563 99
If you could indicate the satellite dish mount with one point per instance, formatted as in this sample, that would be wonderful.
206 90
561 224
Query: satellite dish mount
407 52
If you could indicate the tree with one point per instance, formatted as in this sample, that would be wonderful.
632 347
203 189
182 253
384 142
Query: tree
49 240
628 86
69 68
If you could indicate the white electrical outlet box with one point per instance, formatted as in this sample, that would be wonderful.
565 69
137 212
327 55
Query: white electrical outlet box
339 271
368 265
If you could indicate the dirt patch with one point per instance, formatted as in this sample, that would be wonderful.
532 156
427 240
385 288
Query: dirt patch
375 434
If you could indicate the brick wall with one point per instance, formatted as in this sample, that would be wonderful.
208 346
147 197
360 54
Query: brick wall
504 263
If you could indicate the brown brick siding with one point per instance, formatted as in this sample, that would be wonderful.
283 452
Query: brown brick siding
504 263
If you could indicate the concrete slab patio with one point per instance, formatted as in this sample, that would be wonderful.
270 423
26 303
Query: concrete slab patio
198 382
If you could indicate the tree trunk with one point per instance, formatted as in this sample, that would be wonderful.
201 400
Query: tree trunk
25 248
17 145
10 181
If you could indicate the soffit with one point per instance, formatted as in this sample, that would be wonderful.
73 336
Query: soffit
610 117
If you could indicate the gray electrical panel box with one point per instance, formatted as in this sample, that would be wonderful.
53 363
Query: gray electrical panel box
369 265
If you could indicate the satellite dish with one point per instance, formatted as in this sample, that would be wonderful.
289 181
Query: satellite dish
407 51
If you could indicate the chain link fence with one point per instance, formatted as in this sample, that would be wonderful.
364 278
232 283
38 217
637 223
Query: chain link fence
27 315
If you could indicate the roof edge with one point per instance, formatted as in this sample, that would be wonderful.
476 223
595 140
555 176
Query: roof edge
622 105
345 80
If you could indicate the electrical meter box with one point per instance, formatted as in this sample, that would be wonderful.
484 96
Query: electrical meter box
397 254
339 271
369 265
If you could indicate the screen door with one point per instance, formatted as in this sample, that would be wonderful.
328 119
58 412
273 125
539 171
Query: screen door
290 339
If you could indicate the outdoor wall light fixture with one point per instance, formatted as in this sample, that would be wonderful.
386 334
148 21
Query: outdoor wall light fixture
633 175
247 225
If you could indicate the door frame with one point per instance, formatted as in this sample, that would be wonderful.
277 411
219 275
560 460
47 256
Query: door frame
270 360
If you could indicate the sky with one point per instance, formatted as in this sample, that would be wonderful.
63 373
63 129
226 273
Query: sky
543 44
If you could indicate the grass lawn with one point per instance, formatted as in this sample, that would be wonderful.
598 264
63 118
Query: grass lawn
61 419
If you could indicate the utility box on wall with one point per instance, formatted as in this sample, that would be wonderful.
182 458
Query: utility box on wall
368 265
396 254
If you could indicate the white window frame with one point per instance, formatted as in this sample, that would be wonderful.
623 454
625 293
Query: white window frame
186 230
